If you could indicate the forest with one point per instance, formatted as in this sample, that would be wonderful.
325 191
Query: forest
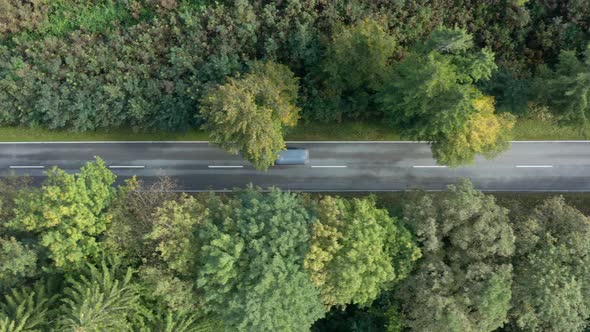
90 252
453 73
81 253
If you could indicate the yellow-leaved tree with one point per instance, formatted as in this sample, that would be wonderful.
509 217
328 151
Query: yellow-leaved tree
485 133
68 213
248 115
356 251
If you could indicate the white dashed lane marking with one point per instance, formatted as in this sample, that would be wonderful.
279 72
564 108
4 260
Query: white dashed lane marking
320 166
127 166
26 167
533 166
225 166
429 166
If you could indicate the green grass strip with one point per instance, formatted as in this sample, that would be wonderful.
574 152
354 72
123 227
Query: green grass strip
524 130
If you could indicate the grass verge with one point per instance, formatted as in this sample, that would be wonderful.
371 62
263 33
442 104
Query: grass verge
545 130
15 134
362 131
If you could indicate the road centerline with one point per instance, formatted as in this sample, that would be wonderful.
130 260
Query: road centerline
225 166
325 166
429 166
127 166
534 166
25 167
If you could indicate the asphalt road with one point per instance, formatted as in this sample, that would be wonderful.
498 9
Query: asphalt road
334 166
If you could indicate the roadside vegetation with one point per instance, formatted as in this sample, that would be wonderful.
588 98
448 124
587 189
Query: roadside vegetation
524 129
79 253
466 77
83 252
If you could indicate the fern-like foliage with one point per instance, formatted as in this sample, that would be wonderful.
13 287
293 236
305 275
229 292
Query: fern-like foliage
182 321
100 301
25 309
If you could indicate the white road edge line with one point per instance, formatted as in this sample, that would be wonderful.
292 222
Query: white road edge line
227 166
533 166
19 167
128 166
430 166
321 166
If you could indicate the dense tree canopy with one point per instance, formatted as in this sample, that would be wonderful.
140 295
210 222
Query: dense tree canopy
251 258
566 90
248 115
355 66
146 64
68 212
173 230
551 289
132 217
19 262
100 301
463 282
485 133
174 64
357 251
431 92
79 253
266 261
432 96
25 309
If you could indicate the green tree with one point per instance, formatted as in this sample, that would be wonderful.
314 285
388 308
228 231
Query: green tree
512 91
132 213
10 187
419 81
251 254
431 96
356 65
551 289
167 274
485 133
164 287
357 251
173 303
566 90
182 321
248 115
16 16
103 299
68 212
447 40
26 309
175 232
463 282
17 262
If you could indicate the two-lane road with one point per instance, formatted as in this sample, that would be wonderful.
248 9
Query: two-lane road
334 166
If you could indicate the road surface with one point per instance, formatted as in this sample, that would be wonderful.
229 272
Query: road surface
334 166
